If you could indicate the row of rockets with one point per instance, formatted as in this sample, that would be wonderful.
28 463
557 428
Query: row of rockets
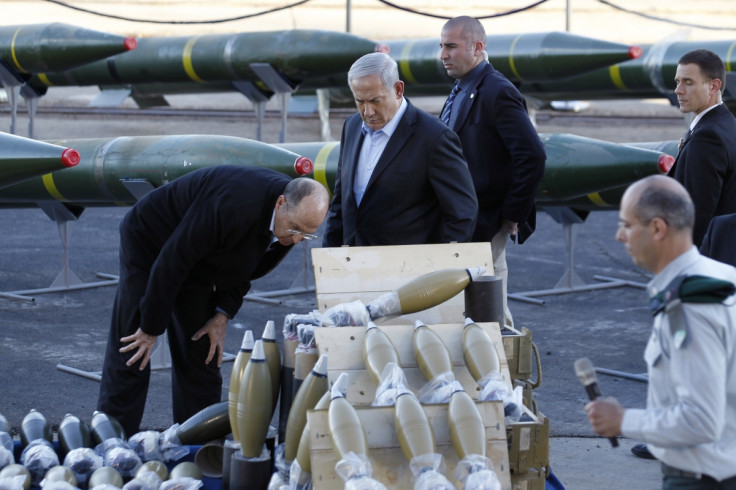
581 173
545 65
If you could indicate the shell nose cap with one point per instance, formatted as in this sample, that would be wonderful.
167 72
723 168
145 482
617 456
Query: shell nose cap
635 52
665 162
70 157
130 43
303 166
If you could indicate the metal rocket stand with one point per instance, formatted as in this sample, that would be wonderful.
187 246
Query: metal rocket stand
280 87
571 282
15 88
12 84
66 279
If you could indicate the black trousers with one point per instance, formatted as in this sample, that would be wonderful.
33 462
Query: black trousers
195 385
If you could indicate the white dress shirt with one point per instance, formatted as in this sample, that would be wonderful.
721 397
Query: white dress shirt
374 143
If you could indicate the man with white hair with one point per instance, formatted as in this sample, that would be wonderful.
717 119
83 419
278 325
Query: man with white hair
402 178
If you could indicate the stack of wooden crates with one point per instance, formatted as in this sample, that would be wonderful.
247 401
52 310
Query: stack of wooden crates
519 452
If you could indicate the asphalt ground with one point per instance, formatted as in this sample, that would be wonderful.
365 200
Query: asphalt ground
609 326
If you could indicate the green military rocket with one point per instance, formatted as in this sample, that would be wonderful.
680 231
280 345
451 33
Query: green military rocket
294 55
113 171
55 46
118 171
650 76
576 166
24 158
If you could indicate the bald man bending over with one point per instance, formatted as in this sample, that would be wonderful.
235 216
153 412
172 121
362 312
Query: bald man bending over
188 251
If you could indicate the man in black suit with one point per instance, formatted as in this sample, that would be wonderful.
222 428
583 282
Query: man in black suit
188 251
706 163
401 178
504 152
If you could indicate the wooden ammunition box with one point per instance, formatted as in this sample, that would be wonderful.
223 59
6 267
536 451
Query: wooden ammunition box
390 467
348 274
525 455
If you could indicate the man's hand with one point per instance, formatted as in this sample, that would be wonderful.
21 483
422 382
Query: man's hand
510 227
215 328
141 341
605 415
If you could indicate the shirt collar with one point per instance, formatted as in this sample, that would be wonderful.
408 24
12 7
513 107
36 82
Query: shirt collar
271 227
470 79
700 116
672 270
390 126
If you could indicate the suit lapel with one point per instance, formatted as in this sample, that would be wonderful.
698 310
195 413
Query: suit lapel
680 148
705 121
398 139
351 153
467 102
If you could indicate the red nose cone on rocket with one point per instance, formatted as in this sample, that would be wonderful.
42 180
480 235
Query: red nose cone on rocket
70 157
303 166
108 163
57 47
665 162
130 43
23 158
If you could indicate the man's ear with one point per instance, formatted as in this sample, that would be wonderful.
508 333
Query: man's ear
659 228
478 48
399 88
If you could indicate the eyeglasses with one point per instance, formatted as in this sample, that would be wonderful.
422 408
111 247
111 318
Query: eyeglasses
306 236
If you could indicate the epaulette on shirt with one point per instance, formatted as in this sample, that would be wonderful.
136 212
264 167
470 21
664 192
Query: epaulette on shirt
688 289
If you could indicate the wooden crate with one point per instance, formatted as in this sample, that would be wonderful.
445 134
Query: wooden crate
347 274
344 349
364 273
528 444
518 348
390 467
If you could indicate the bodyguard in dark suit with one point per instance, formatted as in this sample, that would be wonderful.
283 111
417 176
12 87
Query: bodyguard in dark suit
706 163
401 178
188 251
504 152
720 239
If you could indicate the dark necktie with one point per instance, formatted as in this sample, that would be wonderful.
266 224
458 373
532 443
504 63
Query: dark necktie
448 105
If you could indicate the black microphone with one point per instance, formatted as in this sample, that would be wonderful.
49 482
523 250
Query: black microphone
586 373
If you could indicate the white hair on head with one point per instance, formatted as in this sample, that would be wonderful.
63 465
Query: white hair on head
379 64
